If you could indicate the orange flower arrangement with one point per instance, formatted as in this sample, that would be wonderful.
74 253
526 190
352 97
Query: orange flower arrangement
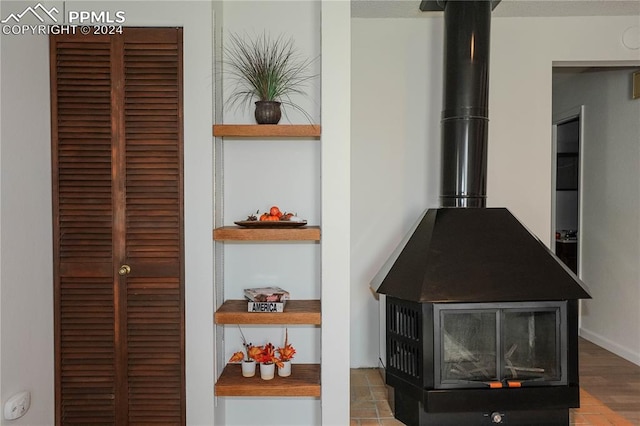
287 351
265 354
268 355
251 352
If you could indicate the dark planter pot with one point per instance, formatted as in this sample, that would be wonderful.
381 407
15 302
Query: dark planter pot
268 112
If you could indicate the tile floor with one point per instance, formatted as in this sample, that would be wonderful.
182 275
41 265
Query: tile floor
369 404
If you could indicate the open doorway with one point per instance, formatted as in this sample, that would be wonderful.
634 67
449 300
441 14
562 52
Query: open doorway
567 182
609 203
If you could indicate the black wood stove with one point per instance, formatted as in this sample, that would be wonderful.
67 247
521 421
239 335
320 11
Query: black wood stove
511 363
481 318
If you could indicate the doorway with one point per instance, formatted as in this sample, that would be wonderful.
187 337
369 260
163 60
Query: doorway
567 182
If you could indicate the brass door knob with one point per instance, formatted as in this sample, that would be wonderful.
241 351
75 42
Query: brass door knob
124 270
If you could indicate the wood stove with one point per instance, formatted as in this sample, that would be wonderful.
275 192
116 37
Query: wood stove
481 318
482 363
481 324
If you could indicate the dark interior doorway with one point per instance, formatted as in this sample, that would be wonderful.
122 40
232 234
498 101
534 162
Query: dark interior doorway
566 181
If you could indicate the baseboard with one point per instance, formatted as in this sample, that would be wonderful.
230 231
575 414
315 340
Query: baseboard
613 347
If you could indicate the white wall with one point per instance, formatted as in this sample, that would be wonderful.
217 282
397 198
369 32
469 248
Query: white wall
336 195
26 267
611 205
297 19
523 51
522 54
27 318
396 77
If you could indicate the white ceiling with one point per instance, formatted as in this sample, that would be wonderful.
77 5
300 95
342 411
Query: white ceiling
506 8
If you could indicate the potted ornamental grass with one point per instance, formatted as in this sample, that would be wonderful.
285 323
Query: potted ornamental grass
267 70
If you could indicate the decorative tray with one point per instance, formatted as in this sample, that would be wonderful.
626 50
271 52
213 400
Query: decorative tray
270 223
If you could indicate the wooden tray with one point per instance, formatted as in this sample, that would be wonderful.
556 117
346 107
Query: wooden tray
270 223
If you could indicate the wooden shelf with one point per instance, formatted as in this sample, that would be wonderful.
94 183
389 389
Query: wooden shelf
295 312
304 381
305 378
267 130
238 233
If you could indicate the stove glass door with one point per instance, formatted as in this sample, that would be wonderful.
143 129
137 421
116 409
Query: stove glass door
499 345
469 346
531 349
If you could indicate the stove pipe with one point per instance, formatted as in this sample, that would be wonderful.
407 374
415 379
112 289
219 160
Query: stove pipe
465 114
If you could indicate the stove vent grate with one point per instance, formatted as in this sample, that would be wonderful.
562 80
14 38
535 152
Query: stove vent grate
404 334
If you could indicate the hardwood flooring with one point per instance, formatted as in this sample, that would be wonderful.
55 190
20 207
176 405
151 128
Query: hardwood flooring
610 392
611 379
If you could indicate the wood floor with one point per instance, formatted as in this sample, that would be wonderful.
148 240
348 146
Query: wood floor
611 379
610 392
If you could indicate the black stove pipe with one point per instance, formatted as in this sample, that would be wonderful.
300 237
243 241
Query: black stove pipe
465 113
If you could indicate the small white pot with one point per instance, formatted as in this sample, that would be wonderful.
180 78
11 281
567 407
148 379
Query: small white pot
248 368
285 370
267 371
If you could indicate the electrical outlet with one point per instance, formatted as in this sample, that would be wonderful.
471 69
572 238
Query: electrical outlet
17 405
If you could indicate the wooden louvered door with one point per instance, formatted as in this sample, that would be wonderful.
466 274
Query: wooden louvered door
153 212
118 227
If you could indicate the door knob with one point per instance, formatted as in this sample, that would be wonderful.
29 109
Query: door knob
124 270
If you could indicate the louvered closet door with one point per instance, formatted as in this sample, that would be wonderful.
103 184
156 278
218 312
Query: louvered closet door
117 200
153 127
